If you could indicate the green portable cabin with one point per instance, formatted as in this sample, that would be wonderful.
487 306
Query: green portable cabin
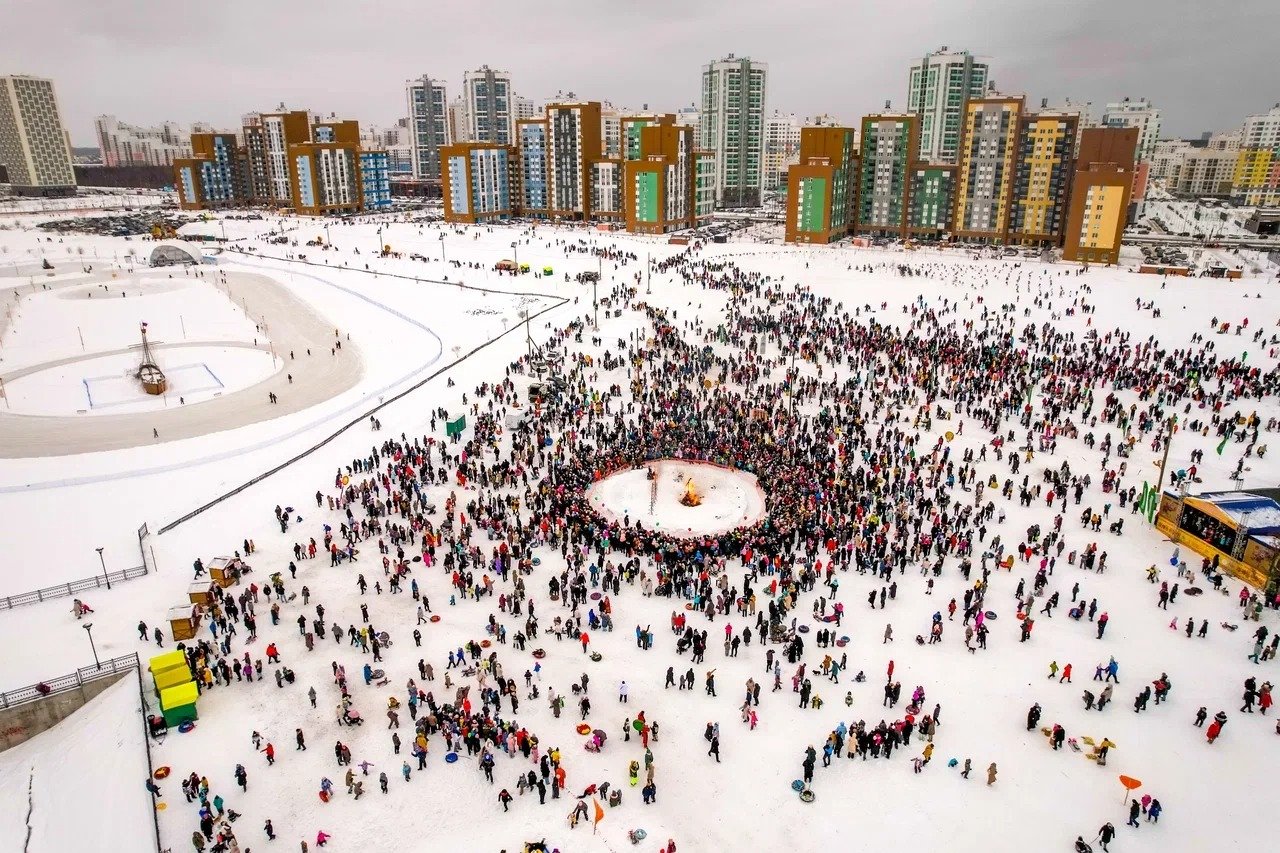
178 703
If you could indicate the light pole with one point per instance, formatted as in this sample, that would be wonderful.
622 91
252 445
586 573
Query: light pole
88 629
515 247
443 256
327 239
648 271
379 242
105 576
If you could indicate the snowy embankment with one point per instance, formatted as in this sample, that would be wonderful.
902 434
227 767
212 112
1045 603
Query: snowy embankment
80 785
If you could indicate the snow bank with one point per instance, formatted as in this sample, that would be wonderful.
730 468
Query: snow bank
80 785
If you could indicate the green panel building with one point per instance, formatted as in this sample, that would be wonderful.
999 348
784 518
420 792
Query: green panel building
932 200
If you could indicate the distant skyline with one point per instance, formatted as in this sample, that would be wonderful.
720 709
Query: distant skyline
1205 67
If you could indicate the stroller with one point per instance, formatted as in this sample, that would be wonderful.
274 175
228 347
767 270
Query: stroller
352 717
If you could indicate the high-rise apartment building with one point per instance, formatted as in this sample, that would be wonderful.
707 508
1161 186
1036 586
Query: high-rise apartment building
1140 114
731 124
490 106
325 168
822 187
267 137
1256 179
611 131
458 129
937 88
1100 193
932 197
781 147
1042 181
34 147
216 175
526 108
429 131
478 179
987 168
573 145
630 127
660 184
888 152
535 170
129 145
1206 172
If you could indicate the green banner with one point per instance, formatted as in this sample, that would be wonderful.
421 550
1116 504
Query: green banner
452 428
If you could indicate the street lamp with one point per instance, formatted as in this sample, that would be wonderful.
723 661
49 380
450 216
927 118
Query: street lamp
515 247
105 576
88 629
648 270
443 256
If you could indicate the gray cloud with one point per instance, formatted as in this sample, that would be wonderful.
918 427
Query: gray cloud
1206 65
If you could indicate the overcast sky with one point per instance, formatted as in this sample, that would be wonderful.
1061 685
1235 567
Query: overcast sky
1205 64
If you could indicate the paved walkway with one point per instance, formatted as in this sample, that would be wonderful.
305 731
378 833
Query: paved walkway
293 325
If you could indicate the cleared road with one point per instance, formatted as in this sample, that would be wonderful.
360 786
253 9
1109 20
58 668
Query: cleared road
294 326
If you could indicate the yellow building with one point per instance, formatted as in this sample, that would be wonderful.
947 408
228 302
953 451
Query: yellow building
1046 145
986 171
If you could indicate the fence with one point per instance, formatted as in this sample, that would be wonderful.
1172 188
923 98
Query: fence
66 683
379 407
71 588
76 680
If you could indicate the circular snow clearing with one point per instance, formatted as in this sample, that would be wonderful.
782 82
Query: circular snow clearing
728 498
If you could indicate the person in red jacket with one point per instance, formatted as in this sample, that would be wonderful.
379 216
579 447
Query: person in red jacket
271 753
585 640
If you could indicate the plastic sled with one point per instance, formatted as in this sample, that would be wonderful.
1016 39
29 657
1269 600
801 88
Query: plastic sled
583 729
186 727
435 617
797 785
450 757
595 596
324 796
1089 740
161 806
807 796
161 772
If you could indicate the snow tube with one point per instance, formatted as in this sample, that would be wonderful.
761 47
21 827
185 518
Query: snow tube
639 834
807 796
843 639
345 479
803 629
1193 590
450 757
595 596
186 727
435 617
842 643
537 561
797 785
990 614
417 558
583 728
161 806
161 772
688 606
539 654
484 644
596 657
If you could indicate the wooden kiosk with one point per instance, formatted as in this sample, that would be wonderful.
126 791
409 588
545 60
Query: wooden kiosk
184 621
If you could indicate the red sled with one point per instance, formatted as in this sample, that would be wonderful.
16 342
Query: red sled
324 796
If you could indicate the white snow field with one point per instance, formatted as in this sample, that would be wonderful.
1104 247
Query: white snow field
730 498
59 508
79 785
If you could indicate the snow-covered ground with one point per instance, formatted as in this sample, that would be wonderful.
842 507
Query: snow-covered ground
729 498
1215 797
80 785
